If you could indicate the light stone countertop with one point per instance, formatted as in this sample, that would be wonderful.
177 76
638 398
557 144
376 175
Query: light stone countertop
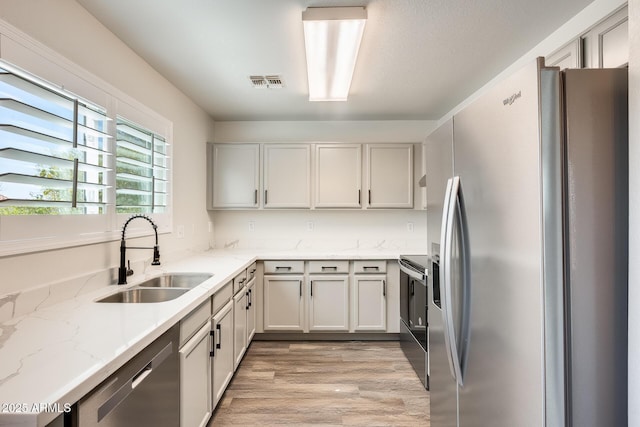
57 354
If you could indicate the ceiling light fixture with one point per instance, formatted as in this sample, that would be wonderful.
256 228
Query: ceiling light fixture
332 38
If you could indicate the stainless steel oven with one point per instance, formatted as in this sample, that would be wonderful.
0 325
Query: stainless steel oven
413 313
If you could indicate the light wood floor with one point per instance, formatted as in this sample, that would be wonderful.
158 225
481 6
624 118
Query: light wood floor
324 384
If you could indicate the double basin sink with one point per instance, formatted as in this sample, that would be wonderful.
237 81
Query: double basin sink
158 289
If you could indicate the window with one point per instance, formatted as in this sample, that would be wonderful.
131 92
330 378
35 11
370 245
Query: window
141 170
54 150
75 165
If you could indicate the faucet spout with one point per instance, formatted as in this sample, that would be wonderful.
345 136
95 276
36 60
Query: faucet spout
123 270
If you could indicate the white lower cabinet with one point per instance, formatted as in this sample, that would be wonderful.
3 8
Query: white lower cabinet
195 386
251 311
370 302
283 303
240 308
329 303
222 350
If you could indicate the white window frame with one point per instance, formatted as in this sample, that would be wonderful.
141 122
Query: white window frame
21 234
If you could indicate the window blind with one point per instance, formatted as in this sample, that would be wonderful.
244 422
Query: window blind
54 150
141 169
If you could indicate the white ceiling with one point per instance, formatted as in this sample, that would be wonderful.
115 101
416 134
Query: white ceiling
418 59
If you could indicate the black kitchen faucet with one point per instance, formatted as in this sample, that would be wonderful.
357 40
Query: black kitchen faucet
123 270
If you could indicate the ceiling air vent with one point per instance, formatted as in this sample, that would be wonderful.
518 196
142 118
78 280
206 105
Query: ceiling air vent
267 82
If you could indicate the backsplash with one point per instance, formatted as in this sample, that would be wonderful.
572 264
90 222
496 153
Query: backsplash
320 230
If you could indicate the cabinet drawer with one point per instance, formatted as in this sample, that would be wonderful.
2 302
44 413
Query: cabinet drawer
251 271
377 266
221 297
190 324
328 266
284 267
239 281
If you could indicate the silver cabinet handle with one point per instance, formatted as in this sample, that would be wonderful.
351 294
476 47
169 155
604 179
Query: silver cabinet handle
250 296
219 343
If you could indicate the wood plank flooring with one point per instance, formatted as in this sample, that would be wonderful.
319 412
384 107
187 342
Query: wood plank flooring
350 383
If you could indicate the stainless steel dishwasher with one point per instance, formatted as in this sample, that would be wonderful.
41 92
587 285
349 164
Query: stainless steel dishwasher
144 392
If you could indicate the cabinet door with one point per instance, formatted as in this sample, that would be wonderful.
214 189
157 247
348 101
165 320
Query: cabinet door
222 332
607 44
283 308
338 176
568 56
234 175
195 380
251 311
390 175
287 176
370 303
239 326
329 303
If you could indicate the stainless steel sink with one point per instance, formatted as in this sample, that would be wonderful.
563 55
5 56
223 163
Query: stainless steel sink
144 295
175 280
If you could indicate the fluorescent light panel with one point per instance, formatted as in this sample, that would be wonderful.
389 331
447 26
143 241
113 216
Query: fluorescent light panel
332 37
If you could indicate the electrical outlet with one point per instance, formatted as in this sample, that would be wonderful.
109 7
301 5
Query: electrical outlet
410 227
252 226
180 230
310 225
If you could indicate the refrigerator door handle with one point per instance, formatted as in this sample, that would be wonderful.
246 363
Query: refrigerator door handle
445 274
458 349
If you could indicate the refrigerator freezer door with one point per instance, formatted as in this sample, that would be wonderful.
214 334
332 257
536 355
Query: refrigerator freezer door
596 232
442 386
496 153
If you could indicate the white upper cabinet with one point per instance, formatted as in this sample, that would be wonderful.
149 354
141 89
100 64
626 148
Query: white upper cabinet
287 176
234 175
607 44
568 56
389 175
338 175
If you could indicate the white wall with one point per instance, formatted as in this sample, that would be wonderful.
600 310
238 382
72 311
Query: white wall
70 30
634 213
331 229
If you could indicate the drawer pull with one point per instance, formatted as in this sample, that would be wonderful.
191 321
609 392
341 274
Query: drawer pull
371 267
329 268
286 268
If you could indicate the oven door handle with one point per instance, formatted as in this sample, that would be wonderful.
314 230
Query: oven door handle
410 272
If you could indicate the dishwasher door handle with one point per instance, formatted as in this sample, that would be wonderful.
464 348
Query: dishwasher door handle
121 394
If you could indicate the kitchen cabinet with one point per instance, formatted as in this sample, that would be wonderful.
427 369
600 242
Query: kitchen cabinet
240 307
283 305
287 176
222 350
233 175
338 176
607 44
389 176
328 295
195 380
369 295
568 56
251 310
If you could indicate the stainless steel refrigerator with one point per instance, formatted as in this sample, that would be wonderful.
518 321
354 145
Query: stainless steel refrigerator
527 203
